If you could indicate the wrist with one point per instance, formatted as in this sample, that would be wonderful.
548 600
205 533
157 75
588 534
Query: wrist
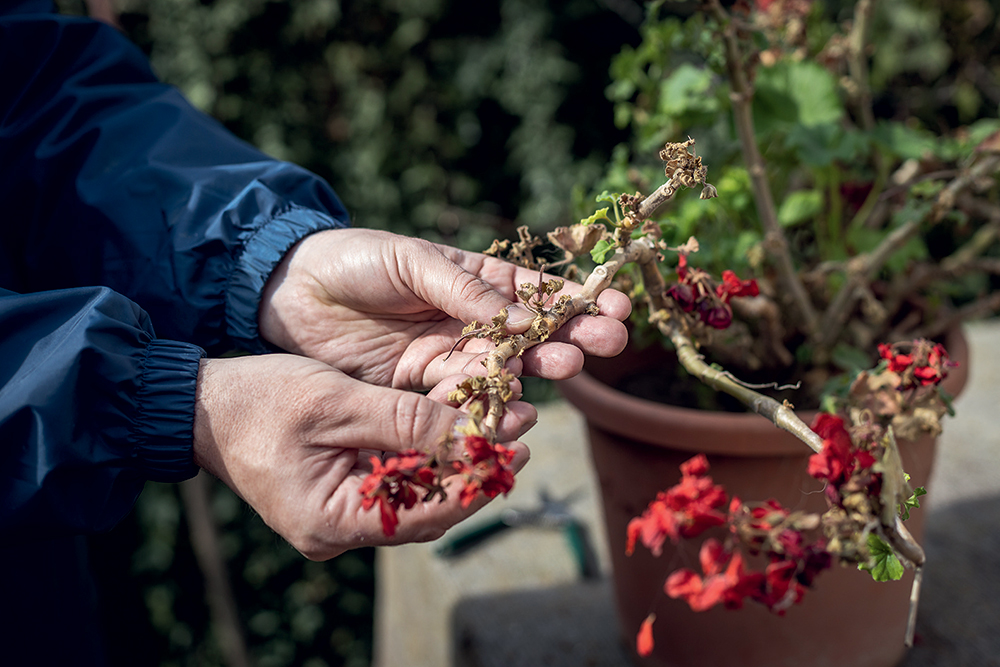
289 291
208 420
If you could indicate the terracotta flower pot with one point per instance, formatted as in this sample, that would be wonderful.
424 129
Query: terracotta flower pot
638 446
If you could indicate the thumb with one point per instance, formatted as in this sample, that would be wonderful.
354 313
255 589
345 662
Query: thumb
393 420
444 284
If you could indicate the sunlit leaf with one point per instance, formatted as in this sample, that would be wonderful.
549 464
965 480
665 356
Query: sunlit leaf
883 564
601 250
800 206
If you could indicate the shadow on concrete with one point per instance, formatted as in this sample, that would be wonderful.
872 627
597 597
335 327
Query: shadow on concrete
959 619
575 624
568 625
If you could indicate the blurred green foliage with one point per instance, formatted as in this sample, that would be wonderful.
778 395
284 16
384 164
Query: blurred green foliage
935 85
448 120
293 611
442 119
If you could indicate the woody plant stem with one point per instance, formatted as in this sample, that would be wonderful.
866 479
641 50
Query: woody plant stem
644 251
775 242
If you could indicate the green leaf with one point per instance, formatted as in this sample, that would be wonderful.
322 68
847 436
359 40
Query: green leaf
982 128
948 400
609 197
849 358
905 142
911 502
796 93
600 214
883 563
601 250
800 206
686 90
820 145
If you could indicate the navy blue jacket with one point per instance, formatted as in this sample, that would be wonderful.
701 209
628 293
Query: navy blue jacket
122 208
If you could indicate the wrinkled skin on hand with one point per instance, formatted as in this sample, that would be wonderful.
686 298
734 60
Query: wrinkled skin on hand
294 438
369 318
387 309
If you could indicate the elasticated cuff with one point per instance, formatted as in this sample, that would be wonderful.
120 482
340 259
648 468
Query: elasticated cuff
164 429
261 255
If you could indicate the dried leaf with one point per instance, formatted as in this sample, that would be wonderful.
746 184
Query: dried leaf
577 240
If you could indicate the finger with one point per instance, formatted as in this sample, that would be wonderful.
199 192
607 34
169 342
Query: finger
440 281
431 362
559 358
440 392
553 361
392 420
518 418
599 336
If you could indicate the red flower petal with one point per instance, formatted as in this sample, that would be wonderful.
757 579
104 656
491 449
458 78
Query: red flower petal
644 640
695 466
389 518
713 557
682 583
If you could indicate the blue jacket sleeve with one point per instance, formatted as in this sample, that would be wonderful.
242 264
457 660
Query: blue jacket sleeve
109 177
91 406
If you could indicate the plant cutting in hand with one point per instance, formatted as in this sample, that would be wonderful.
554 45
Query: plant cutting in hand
853 304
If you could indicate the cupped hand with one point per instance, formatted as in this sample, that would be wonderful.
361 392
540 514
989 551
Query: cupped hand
294 438
388 309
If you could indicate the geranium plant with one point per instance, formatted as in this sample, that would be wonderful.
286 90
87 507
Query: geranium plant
834 212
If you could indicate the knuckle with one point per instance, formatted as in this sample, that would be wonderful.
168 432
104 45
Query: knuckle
414 419
469 288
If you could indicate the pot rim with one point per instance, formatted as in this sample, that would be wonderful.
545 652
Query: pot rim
732 434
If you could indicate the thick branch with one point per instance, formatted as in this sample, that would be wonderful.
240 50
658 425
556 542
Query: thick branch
863 268
639 250
781 415
775 242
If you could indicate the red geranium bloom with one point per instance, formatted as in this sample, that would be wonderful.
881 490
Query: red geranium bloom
684 510
696 466
935 370
782 590
898 363
726 580
394 485
717 315
839 460
834 462
732 286
486 470
682 263
684 295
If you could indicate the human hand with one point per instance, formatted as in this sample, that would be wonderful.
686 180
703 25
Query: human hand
387 309
294 438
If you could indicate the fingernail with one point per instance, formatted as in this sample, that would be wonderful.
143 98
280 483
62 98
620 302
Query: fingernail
519 316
